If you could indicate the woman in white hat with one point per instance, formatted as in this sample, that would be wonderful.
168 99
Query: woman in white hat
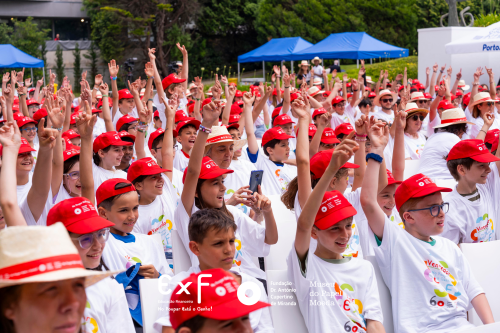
304 74
414 139
481 104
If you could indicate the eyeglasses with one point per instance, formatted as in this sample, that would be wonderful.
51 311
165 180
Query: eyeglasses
340 105
490 103
434 209
73 175
417 117
387 100
29 129
86 240
421 102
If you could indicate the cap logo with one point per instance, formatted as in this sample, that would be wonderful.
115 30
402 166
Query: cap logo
221 291
117 137
78 211
324 209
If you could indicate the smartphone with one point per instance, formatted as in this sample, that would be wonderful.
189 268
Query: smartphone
255 180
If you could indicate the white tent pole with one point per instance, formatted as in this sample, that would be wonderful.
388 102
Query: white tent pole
32 79
291 64
371 61
238 74
357 63
43 75
264 70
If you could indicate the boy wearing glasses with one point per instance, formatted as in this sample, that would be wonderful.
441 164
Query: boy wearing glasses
431 283
472 217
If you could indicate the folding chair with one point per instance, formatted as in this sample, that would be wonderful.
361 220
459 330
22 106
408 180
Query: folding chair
286 318
486 269
385 296
150 303
491 328
411 168
182 262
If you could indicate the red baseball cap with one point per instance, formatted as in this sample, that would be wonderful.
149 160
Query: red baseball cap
25 120
17 115
32 101
181 116
15 107
427 95
109 139
466 99
337 99
445 104
194 122
124 93
172 78
275 133
415 81
480 88
70 152
144 167
318 112
348 84
293 97
275 92
113 187
235 109
311 130
472 148
96 111
73 118
390 178
205 102
70 134
420 86
416 186
157 114
372 94
153 136
333 209
238 94
328 137
320 161
234 118
344 128
78 215
99 103
276 112
39 114
24 148
218 292
209 170
401 88
125 134
459 93
282 119
126 119
492 138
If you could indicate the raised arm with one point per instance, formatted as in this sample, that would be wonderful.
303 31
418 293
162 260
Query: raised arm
360 155
5 80
286 93
488 119
248 100
8 94
427 73
323 122
150 73
302 152
57 117
113 73
167 148
398 155
455 85
475 84
22 93
106 114
157 79
491 76
85 122
230 92
185 65
143 112
433 79
435 102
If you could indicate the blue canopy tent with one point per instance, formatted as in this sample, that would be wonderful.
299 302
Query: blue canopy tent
351 45
277 49
12 57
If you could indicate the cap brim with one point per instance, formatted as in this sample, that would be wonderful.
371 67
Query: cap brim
458 122
90 225
393 181
215 173
232 309
485 158
335 217
350 166
120 143
431 190
25 149
330 141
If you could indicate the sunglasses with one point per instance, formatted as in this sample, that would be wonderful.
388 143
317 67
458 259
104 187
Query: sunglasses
417 117
421 102
434 209
387 100
86 240
490 103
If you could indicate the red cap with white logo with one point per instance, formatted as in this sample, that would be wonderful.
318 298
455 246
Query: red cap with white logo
318 112
492 138
109 139
144 167
333 209
472 148
172 78
283 119
126 119
416 186
209 170
344 128
275 133
70 152
124 93
328 137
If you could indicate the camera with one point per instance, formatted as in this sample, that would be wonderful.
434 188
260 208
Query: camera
173 67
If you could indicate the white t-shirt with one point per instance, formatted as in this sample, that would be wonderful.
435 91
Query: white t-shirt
433 159
177 182
474 221
334 296
101 175
157 217
388 117
244 166
276 178
181 160
431 283
99 127
61 195
233 182
107 309
318 70
430 127
249 235
415 147
23 190
119 114
349 116
260 320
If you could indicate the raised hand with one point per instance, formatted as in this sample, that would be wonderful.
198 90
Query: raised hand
19 76
210 113
10 136
359 125
477 74
344 78
286 80
103 88
489 71
113 68
39 83
300 108
273 78
324 120
85 121
443 68
248 98
400 120
378 132
435 67
334 73
98 80
6 77
52 77
149 69
345 150
151 54
133 87
46 136
449 71
399 77
182 49
276 69
169 109
27 82
488 118
223 79
13 79
442 90
427 71
56 116
354 84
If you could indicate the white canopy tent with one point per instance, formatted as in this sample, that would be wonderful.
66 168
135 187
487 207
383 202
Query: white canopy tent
485 40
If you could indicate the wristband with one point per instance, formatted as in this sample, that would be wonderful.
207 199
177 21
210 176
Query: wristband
113 78
360 140
150 99
375 157
140 130
59 129
440 96
287 87
442 72
105 95
356 90
434 71
96 88
206 130
483 131
361 135
198 99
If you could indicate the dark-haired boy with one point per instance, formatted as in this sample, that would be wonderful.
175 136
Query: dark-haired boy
212 238
186 136
472 217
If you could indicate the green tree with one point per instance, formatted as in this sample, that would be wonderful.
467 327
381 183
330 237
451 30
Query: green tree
93 57
28 36
5 33
59 65
43 51
486 20
77 68
109 35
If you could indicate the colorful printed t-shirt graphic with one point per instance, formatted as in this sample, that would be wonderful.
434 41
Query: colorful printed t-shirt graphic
106 310
249 235
177 183
474 221
415 147
431 283
337 296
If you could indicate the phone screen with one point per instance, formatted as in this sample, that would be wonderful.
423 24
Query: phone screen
255 180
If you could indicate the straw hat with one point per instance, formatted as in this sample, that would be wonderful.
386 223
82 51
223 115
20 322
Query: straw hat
220 134
317 81
316 58
209 92
313 91
453 117
417 96
412 108
463 86
41 254
188 93
369 79
304 63
385 92
481 98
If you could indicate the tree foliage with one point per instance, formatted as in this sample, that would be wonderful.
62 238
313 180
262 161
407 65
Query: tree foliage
77 67
93 58
59 65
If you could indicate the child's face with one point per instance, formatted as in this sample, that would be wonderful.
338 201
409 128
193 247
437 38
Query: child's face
32 109
319 98
216 250
335 238
422 223
368 146
91 257
238 325
280 152
132 129
74 128
128 153
158 123
25 162
126 105
112 157
73 186
123 213
212 192
151 186
187 137
28 132
339 108
235 135
76 141
477 174
287 128
385 199
222 154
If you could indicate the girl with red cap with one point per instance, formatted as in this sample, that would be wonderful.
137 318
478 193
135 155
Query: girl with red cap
204 188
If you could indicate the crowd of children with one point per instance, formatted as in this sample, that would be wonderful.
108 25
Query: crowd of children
92 188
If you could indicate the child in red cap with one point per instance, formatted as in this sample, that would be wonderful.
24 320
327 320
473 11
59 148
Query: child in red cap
430 281
206 227
186 136
343 111
472 217
328 284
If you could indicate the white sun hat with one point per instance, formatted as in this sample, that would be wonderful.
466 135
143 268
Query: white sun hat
38 254
313 91
412 108
453 117
481 98
316 58
463 86
304 63
417 96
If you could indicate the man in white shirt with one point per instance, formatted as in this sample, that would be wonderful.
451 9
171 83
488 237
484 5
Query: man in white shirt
385 100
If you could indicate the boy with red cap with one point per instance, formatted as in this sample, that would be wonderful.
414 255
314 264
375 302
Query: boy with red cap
186 136
287 125
431 283
473 214
335 293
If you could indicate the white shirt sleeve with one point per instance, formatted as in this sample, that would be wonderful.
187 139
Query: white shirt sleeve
371 305
118 317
